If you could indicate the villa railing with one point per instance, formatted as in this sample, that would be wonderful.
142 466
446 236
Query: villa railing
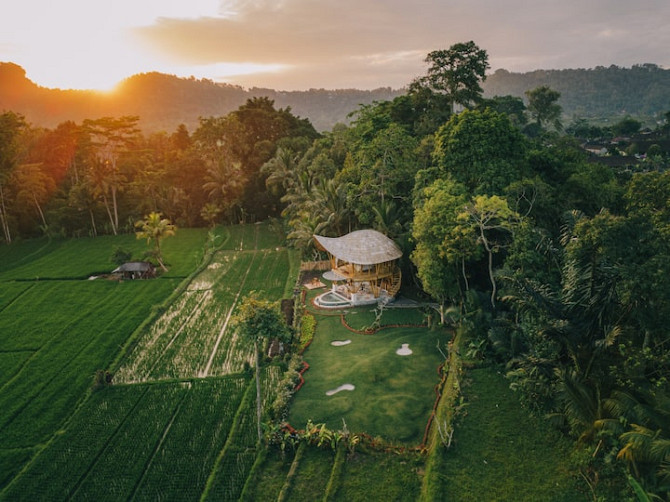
315 265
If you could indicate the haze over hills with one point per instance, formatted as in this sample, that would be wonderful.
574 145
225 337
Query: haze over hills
164 101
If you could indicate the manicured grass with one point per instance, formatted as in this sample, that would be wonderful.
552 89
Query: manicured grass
362 318
393 394
502 453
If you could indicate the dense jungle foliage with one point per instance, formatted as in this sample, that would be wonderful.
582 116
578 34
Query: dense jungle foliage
555 259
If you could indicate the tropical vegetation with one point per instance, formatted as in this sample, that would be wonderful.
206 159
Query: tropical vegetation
545 261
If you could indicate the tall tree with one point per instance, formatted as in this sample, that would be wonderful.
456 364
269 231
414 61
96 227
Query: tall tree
456 72
11 127
489 217
34 188
381 169
110 138
154 229
543 106
442 244
259 320
482 150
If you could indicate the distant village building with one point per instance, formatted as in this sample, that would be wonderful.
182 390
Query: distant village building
135 270
363 269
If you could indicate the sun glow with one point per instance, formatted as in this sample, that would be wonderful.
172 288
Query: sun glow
83 46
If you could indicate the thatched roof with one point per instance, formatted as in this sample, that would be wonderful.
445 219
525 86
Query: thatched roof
364 247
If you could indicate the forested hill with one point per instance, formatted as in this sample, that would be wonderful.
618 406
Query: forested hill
165 101
597 94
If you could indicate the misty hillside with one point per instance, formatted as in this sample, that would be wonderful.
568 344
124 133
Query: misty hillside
165 101
598 94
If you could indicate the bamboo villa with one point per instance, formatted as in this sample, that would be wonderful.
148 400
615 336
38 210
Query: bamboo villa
363 269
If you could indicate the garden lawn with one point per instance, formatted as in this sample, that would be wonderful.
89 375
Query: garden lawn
393 394
502 453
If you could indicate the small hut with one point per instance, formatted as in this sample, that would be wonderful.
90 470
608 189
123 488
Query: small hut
135 270
364 267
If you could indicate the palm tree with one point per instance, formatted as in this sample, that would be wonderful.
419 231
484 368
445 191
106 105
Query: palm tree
646 443
281 169
154 228
303 228
224 183
329 201
209 213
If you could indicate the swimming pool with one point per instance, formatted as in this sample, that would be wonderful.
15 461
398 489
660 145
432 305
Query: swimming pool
331 300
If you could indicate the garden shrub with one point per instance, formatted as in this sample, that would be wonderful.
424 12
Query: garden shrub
307 329
286 389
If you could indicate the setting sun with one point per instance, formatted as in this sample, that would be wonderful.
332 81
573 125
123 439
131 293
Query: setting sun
77 45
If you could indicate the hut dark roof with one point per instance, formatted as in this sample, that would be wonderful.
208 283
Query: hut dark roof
133 266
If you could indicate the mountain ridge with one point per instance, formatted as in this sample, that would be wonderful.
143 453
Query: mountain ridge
165 101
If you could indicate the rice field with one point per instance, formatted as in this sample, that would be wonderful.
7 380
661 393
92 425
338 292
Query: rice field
178 421
194 337
55 339
149 442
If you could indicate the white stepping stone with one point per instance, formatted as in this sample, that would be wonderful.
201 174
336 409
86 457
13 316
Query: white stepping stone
346 386
340 343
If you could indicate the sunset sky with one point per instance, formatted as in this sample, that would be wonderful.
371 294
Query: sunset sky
302 44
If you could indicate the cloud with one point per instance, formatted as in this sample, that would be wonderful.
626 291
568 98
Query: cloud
297 44
370 43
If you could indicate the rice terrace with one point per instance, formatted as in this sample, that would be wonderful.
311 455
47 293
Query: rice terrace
143 390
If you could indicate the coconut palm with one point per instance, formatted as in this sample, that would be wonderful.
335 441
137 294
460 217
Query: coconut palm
646 443
224 183
155 228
